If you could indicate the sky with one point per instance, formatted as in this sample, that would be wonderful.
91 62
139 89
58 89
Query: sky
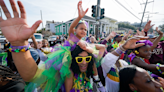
64 10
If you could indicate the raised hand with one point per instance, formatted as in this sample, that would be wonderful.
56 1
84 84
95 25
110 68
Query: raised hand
142 33
112 34
148 26
159 32
131 43
153 32
16 30
80 10
82 45
161 80
130 31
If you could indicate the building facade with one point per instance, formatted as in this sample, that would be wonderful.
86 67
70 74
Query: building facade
50 26
106 25
109 25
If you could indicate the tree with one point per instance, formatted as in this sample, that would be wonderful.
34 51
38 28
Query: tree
39 31
161 27
123 25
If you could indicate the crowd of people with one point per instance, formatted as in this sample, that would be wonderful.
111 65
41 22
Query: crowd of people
115 63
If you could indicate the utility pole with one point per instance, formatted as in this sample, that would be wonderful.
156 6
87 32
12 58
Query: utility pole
1 11
144 11
97 19
41 19
148 17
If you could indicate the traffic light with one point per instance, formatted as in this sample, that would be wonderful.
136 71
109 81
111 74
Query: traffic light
102 13
94 10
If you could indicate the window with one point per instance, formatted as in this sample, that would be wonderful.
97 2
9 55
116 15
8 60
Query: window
38 37
53 37
64 29
48 25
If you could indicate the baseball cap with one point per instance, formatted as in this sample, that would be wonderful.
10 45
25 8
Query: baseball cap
151 36
117 36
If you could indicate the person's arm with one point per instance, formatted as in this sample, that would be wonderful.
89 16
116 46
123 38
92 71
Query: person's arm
147 27
35 42
18 32
89 49
130 44
142 33
25 64
101 49
161 80
68 83
149 67
155 42
75 22
110 36
127 35
84 45
112 57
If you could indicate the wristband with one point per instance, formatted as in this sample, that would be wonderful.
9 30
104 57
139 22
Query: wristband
119 51
158 68
122 49
19 48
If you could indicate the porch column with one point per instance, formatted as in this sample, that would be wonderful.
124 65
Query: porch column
88 29
100 29
94 29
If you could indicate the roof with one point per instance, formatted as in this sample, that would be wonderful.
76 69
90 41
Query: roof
84 18
88 18
111 18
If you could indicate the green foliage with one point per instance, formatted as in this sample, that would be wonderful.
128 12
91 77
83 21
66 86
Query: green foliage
39 31
123 25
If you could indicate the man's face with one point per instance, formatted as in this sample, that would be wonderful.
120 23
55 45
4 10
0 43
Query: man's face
151 39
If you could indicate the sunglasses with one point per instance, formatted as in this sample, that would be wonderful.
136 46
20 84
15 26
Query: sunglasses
80 59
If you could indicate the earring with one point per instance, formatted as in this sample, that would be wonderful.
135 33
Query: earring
135 91
136 52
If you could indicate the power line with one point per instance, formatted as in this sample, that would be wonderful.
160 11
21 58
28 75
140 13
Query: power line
143 13
127 9
142 1
75 13
88 3
153 6
77 9
119 6
140 4
130 6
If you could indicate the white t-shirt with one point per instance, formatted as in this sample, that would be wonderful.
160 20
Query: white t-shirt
110 72
43 56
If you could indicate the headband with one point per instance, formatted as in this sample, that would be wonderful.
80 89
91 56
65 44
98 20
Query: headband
83 21
147 42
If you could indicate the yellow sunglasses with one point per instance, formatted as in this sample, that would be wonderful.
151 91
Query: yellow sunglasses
80 59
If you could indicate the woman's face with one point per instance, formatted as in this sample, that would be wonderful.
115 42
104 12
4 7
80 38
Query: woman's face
92 39
81 30
39 45
45 43
84 65
145 52
144 83
118 39
32 44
